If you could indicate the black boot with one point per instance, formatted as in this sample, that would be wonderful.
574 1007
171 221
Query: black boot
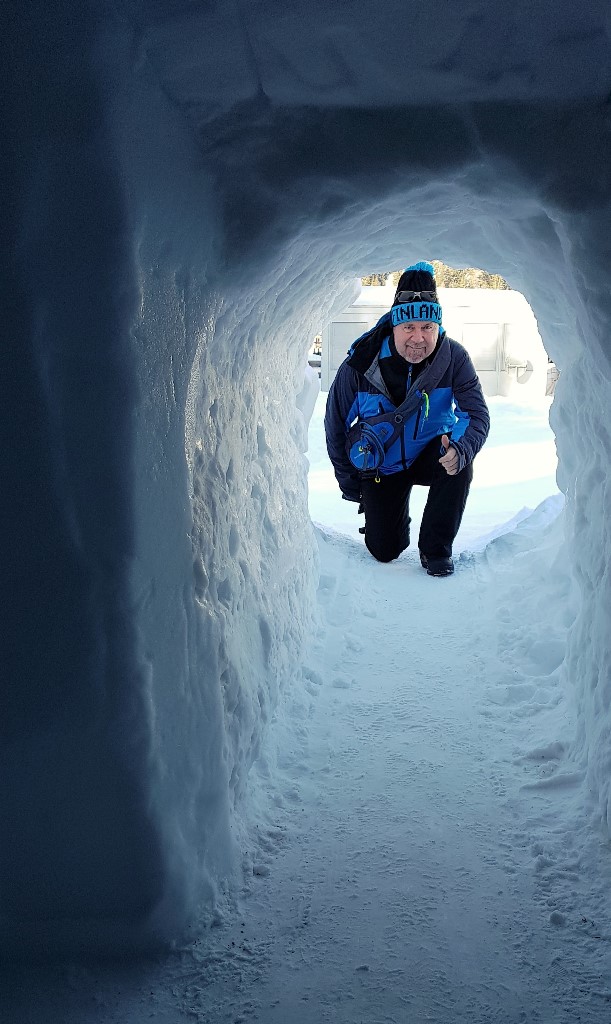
437 566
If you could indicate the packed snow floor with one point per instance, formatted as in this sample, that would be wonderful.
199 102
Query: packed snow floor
419 845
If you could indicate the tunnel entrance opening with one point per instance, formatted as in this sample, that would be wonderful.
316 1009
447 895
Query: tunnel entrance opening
516 469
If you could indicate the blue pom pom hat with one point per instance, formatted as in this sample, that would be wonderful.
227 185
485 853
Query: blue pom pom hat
416 296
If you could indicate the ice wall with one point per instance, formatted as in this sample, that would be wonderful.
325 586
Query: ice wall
187 197
158 560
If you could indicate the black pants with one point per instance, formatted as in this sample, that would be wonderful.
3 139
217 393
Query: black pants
386 507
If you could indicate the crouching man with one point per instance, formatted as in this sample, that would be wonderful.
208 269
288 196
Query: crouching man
405 408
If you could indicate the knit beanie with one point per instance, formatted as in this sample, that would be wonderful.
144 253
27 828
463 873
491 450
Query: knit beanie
416 296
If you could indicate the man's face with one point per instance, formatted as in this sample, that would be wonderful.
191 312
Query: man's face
415 340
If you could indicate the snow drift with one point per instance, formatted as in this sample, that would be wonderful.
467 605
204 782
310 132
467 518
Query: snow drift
189 194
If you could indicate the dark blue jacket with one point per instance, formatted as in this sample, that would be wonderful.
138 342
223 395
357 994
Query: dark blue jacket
447 399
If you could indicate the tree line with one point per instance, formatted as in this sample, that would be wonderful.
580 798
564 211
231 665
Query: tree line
446 277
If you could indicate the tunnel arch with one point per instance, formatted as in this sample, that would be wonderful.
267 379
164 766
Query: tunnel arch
482 207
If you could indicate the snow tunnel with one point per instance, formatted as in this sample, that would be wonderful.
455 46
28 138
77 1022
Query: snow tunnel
189 198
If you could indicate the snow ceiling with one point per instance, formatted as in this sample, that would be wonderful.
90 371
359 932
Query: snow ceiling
190 189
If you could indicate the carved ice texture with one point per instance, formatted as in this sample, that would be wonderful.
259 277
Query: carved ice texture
189 190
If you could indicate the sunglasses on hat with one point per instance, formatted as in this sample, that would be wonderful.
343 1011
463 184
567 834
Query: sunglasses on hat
410 296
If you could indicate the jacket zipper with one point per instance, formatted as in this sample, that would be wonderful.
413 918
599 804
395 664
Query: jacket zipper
418 420
402 435
424 401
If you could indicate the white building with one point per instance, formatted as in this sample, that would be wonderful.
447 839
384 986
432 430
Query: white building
498 329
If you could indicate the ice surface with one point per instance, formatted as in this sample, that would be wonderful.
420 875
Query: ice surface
416 838
189 194
351 54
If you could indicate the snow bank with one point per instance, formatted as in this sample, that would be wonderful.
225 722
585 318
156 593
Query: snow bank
188 196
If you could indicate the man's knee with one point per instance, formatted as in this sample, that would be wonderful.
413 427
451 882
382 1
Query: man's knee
384 552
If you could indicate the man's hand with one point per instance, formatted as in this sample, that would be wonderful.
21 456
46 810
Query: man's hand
449 461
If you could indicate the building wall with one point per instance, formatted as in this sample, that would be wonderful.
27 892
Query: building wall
498 329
